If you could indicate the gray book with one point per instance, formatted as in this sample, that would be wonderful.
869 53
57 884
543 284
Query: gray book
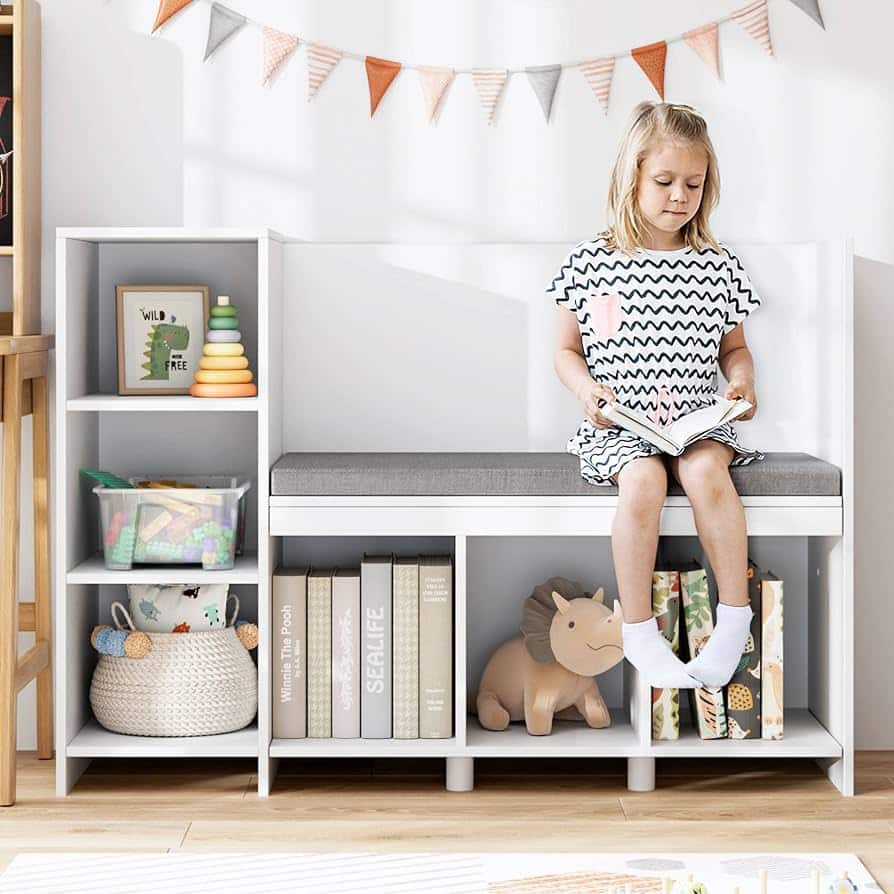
435 647
375 665
289 653
319 654
405 712
346 653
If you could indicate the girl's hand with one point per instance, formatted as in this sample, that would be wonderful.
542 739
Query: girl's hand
742 388
590 396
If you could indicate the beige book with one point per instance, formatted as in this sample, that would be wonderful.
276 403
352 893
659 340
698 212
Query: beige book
319 653
435 647
405 720
772 627
289 653
346 653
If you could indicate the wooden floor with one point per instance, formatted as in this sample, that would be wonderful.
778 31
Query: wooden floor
517 805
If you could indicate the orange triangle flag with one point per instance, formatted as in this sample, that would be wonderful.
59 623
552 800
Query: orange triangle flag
380 73
650 59
166 9
704 41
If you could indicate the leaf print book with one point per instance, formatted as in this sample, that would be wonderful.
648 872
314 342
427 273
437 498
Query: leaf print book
674 438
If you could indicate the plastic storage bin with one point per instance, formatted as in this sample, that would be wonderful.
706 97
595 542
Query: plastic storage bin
181 526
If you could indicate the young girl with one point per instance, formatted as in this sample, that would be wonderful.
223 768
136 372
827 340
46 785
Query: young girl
649 309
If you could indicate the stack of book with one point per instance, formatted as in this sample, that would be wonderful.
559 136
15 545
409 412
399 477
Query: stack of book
364 652
751 704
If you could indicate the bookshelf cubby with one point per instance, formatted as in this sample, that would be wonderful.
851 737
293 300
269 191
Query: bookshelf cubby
318 391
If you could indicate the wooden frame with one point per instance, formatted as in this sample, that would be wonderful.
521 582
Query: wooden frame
121 310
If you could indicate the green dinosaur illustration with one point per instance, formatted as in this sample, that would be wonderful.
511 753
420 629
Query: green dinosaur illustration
163 338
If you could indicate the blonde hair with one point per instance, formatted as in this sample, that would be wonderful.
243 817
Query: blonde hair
651 123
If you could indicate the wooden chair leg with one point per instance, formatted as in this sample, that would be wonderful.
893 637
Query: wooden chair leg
9 549
42 607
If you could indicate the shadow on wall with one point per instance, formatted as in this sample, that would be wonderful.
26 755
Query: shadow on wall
873 495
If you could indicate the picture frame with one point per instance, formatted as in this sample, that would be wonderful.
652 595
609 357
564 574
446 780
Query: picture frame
161 332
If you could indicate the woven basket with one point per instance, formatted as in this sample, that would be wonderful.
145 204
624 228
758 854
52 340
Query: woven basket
190 684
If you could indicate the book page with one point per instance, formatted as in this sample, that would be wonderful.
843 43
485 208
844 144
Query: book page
704 420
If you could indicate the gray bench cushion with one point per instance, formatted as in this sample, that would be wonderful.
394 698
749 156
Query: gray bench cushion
513 475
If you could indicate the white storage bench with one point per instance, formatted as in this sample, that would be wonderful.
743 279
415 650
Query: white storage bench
478 499
378 368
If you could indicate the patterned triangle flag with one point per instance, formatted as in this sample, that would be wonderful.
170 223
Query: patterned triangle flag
489 83
380 73
278 46
320 62
166 9
651 59
704 41
543 80
811 7
224 22
434 82
754 19
598 74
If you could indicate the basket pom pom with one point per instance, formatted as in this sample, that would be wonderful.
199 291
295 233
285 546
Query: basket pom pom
137 644
247 633
108 641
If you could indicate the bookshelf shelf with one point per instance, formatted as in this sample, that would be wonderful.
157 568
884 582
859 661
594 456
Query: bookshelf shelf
308 402
94 741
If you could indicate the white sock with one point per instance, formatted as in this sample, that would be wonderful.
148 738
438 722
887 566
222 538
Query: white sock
651 654
717 662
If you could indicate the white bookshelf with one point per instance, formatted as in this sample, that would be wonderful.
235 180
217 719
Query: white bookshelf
312 398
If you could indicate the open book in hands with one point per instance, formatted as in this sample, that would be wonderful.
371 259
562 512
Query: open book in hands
674 438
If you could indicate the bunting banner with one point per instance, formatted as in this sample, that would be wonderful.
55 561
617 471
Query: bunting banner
223 23
278 46
544 79
167 9
811 7
597 71
435 82
489 83
381 74
598 74
320 62
704 41
651 59
753 18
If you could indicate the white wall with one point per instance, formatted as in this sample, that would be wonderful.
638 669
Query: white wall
137 131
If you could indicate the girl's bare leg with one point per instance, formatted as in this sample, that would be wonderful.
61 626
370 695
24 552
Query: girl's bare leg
642 487
703 472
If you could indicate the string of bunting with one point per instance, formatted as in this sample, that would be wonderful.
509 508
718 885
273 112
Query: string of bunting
278 46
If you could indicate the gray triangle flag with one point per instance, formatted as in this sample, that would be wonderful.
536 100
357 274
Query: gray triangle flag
222 24
543 80
811 7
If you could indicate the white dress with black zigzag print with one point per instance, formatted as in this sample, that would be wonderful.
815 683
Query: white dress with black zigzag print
650 327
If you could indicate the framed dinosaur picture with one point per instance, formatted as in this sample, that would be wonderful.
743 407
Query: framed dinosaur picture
160 336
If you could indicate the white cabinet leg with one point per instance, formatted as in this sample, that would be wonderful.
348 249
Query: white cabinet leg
641 774
460 774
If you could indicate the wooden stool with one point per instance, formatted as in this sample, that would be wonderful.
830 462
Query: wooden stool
25 363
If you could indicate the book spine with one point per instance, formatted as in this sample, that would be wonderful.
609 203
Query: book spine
436 650
319 657
406 651
346 657
666 609
707 703
290 656
772 700
375 606
743 692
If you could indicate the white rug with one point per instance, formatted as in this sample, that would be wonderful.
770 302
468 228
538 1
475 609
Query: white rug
491 873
